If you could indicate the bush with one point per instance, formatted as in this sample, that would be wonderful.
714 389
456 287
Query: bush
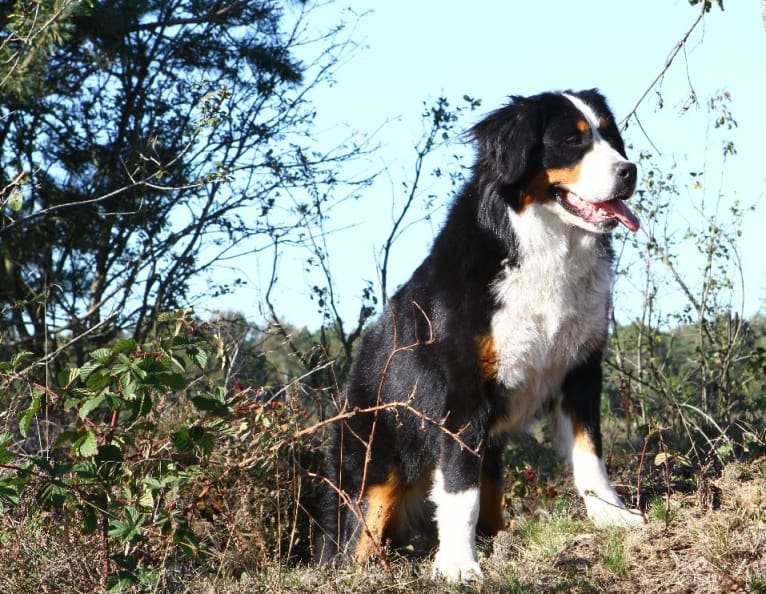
157 463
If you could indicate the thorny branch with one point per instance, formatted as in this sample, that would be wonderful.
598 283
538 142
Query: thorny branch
680 45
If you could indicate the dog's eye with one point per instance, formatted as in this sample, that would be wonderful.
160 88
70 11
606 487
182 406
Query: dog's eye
574 140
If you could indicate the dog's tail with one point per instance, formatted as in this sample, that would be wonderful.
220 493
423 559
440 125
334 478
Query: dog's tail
328 531
326 534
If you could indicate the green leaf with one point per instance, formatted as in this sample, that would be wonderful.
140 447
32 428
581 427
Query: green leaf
88 368
109 453
120 581
53 493
86 471
20 357
154 484
129 387
101 355
64 438
130 529
108 462
124 345
25 419
10 493
198 355
167 480
86 445
68 376
125 561
182 440
89 519
210 403
6 439
203 439
114 400
146 500
98 380
90 405
15 200
140 407
174 381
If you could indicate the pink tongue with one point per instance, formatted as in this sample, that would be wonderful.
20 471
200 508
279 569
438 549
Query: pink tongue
618 209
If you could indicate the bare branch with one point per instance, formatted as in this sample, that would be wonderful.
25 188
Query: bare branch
680 45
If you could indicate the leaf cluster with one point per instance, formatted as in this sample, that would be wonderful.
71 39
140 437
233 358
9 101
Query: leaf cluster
146 447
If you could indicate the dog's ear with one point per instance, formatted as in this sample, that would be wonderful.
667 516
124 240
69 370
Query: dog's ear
508 139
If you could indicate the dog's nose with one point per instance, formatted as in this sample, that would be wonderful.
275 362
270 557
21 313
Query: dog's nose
626 172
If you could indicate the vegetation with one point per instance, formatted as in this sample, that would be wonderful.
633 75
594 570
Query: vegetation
145 449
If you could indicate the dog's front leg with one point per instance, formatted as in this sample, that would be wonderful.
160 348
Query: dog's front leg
456 495
578 432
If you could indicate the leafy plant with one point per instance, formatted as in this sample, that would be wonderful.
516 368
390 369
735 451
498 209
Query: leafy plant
690 358
119 467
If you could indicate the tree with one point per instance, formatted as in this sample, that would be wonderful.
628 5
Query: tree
155 139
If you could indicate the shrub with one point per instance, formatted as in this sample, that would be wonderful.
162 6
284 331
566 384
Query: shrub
158 463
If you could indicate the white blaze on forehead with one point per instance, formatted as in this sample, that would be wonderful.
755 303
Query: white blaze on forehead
587 113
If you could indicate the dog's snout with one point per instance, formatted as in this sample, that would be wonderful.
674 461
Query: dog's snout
626 172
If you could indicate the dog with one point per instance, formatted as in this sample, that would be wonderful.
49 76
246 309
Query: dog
507 317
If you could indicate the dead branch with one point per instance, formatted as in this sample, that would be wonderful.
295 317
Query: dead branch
680 45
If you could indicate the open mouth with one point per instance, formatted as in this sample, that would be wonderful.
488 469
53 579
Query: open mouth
605 214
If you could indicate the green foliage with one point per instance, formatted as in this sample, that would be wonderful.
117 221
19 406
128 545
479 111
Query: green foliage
33 30
547 535
659 509
141 448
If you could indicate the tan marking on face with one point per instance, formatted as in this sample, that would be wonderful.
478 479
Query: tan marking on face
488 363
565 176
538 189
603 123
582 126
491 498
381 502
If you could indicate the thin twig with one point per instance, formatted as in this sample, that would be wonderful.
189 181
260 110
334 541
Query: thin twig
680 44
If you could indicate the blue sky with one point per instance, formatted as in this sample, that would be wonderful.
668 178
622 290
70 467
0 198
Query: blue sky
413 52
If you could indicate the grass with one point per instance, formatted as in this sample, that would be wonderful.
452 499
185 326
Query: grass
548 546
614 552
544 537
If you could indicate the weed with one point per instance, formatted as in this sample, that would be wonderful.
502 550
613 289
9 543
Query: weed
545 536
660 509
614 551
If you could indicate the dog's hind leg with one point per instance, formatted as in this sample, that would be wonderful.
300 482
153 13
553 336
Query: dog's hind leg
374 516
492 491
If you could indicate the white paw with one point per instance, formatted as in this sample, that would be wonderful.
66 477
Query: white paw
455 570
605 513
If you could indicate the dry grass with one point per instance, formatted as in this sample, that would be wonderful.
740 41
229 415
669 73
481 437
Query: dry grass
41 553
709 545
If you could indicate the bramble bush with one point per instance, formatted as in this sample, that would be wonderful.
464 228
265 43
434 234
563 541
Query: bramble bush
155 461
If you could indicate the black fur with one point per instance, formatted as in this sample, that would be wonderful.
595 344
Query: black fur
424 351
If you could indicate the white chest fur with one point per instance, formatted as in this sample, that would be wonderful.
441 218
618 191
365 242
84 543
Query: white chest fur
552 310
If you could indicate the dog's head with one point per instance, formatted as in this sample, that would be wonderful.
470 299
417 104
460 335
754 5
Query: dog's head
560 153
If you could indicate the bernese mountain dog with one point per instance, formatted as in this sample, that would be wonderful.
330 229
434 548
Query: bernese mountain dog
506 318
